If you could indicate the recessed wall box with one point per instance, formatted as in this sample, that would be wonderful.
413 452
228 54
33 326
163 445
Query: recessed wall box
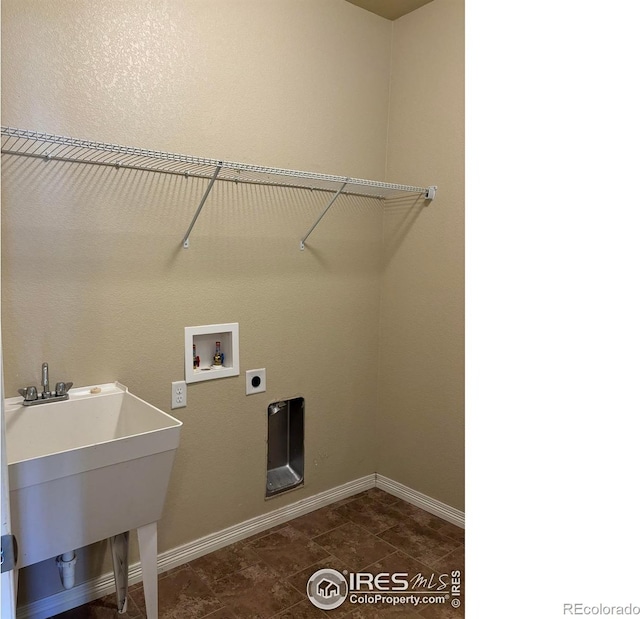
285 446
211 351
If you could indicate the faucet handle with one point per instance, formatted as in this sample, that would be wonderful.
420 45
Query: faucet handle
62 388
29 393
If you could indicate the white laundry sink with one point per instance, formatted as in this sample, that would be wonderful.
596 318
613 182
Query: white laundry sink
85 469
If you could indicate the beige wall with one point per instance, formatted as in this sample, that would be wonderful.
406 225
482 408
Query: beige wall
421 415
289 83
95 282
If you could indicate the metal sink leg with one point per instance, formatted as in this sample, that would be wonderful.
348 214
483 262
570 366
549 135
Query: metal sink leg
120 557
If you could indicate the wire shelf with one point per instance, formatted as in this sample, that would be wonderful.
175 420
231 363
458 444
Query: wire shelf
53 147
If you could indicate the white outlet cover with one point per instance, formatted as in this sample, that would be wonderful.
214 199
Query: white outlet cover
256 381
178 394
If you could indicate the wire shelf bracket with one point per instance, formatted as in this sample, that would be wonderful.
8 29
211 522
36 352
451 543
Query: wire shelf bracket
326 210
51 147
185 239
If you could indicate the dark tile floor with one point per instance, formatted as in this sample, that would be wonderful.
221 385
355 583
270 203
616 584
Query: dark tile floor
265 576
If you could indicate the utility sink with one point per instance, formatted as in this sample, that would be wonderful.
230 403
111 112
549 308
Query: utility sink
85 469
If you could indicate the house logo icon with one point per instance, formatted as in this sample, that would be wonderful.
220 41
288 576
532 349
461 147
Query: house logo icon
327 589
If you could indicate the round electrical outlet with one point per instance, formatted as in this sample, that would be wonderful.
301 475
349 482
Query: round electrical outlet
256 381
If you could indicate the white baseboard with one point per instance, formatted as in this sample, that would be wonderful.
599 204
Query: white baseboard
104 585
433 506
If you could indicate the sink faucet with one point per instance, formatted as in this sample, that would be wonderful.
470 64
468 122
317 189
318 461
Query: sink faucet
30 394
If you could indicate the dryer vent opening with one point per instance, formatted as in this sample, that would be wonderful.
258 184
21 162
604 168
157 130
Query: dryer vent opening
285 445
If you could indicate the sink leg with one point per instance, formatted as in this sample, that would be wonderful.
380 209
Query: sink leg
120 557
148 542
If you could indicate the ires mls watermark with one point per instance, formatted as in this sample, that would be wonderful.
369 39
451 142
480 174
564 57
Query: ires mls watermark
600 609
327 588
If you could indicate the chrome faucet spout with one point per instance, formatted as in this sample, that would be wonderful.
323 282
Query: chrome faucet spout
46 392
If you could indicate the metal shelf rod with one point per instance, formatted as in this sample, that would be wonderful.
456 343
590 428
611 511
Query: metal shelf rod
185 240
118 164
335 197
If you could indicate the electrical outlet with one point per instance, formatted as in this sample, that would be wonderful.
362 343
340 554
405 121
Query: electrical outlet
178 394
256 381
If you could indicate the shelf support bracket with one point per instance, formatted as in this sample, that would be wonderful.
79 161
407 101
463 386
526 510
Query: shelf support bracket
335 197
185 240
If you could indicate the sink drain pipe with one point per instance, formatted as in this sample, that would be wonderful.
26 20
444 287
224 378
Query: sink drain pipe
67 568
